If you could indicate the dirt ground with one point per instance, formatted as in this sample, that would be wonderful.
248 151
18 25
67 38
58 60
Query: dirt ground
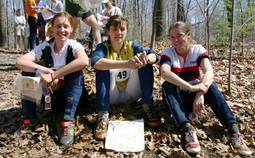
162 142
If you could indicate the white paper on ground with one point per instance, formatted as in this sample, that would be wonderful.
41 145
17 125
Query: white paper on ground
125 136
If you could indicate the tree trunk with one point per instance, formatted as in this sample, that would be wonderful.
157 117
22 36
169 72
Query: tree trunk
159 22
242 22
180 11
231 47
141 21
3 27
207 26
154 25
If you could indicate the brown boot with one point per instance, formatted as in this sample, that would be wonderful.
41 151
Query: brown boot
152 116
102 125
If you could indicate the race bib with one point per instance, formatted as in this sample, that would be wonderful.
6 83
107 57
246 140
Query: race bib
121 77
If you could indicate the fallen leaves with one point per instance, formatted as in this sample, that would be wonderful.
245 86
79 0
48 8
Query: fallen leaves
162 142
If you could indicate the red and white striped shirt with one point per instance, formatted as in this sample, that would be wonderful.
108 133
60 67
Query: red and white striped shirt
188 68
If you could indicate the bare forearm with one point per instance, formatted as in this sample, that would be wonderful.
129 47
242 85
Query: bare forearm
107 64
208 75
207 78
176 80
28 66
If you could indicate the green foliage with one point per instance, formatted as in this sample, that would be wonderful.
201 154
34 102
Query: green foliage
245 21
220 33
228 5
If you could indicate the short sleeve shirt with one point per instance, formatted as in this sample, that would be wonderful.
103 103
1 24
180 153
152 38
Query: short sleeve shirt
187 69
59 59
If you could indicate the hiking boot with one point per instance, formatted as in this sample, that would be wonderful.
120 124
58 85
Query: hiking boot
66 132
191 142
239 144
151 116
102 125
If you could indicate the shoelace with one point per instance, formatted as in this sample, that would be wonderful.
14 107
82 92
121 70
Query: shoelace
65 131
65 125
190 136
240 139
148 113
102 121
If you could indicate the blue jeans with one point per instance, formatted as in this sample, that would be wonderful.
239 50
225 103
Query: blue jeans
180 103
103 87
64 100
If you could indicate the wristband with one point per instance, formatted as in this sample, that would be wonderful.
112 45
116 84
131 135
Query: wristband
38 72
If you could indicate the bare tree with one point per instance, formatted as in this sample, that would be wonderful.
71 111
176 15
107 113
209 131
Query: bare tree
180 11
159 18
3 27
154 21
207 13
231 47
242 22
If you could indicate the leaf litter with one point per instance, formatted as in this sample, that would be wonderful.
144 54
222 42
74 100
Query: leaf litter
164 141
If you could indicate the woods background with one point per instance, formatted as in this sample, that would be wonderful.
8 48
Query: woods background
210 19
211 22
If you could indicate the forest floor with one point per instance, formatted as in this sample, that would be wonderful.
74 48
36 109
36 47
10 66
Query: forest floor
162 142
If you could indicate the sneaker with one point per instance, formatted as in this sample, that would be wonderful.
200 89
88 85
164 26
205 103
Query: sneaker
191 142
239 144
66 132
27 123
26 126
102 126
151 116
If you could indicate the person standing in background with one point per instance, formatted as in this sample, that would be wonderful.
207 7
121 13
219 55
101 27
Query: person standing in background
41 23
32 13
79 11
56 7
20 23
110 10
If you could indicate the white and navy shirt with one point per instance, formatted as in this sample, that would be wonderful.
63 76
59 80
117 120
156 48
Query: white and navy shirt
59 59
188 68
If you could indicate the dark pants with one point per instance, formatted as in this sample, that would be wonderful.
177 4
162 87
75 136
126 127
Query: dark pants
64 100
103 87
32 21
180 103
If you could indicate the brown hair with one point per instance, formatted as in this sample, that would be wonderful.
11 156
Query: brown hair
116 20
61 14
18 10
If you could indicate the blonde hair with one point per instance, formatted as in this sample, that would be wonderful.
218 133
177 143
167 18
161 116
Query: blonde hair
182 27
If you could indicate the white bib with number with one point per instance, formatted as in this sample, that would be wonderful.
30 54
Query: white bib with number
121 77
